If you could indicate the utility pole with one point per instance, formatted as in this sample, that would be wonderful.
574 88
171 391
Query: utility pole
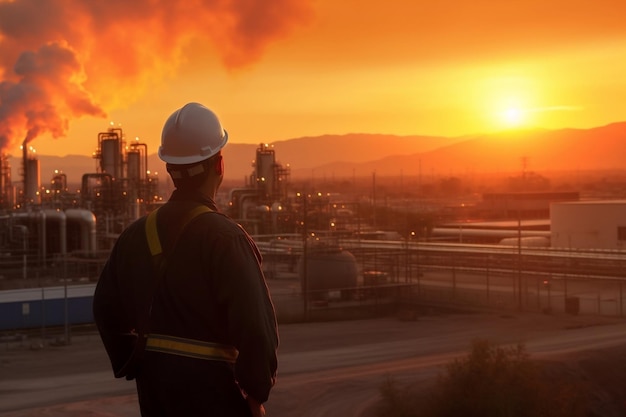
374 199
519 261
305 235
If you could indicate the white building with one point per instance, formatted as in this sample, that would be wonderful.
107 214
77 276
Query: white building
588 224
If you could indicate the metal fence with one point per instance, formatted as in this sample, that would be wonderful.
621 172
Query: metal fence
546 282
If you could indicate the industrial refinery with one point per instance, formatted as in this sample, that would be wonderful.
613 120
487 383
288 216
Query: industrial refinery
54 240
43 224
332 252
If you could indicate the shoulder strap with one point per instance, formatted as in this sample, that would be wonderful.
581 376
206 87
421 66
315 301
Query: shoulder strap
152 234
140 333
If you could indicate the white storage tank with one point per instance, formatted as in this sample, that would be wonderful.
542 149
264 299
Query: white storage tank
328 270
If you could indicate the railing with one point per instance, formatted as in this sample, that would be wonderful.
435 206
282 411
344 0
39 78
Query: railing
487 277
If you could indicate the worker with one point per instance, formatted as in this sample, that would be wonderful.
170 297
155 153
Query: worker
182 305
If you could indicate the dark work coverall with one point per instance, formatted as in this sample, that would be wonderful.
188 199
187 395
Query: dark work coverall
213 290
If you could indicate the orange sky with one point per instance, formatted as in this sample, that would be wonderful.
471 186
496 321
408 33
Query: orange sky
281 69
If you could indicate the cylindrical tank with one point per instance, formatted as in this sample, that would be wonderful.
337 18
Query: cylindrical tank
265 163
134 165
33 181
327 270
111 162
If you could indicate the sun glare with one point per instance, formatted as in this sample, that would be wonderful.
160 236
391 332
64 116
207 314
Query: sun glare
513 117
512 113
510 99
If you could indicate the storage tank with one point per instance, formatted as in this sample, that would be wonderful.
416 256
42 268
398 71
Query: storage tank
111 155
134 165
328 269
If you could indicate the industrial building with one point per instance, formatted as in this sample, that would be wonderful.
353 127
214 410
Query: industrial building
329 242
50 230
588 224
43 224
262 206
525 205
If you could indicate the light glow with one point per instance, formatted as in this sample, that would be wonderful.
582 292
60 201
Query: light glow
513 117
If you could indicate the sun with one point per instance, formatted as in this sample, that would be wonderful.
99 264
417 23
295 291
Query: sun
510 100
512 113
513 117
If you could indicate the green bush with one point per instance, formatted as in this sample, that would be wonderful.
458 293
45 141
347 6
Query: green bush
491 381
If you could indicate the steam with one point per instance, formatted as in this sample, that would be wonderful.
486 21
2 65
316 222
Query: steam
63 59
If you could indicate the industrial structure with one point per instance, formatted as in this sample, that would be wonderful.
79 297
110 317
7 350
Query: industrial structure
493 253
599 224
40 225
262 206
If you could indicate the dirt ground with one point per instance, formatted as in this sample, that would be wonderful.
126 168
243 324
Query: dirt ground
603 374
387 343
600 372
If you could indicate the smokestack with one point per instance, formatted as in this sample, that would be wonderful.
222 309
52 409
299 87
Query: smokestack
32 177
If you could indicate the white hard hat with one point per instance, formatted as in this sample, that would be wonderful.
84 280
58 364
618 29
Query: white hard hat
191 134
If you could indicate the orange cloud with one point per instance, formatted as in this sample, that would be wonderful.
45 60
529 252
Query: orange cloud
64 59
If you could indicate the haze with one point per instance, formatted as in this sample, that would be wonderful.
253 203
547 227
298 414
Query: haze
293 68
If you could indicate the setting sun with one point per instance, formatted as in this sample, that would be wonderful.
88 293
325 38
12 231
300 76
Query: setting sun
513 117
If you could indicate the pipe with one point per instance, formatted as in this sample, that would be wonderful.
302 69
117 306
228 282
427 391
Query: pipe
495 233
24 230
62 218
239 196
87 221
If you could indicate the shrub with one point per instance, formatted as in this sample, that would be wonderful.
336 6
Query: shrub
397 401
491 381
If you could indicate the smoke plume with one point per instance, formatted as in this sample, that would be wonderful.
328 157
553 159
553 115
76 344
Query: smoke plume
63 59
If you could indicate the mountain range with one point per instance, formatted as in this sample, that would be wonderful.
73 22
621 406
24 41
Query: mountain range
357 155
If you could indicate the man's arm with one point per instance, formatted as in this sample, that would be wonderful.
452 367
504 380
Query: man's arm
106 312
250 315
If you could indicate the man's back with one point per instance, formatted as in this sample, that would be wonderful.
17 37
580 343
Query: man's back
212 291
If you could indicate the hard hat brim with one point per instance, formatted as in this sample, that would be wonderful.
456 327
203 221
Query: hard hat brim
184 160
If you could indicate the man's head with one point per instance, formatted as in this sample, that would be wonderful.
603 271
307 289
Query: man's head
191 144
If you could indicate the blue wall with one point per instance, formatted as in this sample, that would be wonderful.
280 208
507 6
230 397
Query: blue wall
36 314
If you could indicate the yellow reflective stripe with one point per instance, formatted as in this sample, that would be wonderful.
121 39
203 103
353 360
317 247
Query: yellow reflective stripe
191 348
151 233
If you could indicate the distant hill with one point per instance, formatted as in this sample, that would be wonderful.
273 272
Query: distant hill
601 148
361 154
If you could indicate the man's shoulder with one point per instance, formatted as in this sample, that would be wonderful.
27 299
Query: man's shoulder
137 227
222 223
212 221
